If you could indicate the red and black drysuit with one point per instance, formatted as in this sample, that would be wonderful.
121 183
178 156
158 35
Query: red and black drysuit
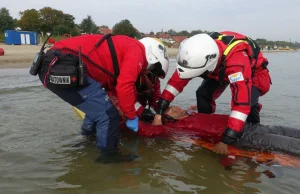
210 127
113 63
243 67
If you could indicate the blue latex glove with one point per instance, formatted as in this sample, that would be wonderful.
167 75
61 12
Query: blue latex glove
133 124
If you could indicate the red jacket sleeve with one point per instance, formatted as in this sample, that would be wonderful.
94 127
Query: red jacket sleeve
238 71
174 87
132 65
156 93
149 130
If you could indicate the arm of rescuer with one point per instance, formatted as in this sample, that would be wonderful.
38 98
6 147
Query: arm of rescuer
238 71
156 94
174 86
133 64
146 114
145 129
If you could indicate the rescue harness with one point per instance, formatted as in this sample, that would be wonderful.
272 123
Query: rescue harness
231 41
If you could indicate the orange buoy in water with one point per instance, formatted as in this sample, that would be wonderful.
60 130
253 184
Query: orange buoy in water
1 51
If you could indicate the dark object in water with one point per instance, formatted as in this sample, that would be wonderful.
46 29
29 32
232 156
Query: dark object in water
269 174
115 158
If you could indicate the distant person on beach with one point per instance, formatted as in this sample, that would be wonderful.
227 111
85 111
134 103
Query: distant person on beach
221 59
81 70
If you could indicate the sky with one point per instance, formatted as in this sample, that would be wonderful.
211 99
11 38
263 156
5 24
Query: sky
254 18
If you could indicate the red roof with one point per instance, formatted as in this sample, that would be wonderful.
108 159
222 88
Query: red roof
105 30
149 35
164 36
179 38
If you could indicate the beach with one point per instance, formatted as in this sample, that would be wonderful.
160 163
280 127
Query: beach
17 56
21 56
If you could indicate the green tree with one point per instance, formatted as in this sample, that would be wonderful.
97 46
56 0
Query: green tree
261 41
6 21
124 27
49 18
183 33
16 23
207 32
104 26
75 31
172 32
30 20
88 26
194 32
68 21
45 20
61 29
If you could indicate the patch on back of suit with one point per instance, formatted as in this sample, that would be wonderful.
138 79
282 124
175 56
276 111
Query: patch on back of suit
238 76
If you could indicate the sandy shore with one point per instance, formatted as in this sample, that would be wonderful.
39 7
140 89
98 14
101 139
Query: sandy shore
21 56
16 56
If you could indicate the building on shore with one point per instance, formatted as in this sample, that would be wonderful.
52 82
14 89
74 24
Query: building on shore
172 41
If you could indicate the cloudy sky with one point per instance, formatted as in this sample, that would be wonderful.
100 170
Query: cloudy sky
271 19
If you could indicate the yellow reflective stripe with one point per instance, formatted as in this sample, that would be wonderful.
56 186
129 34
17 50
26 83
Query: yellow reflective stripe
221 36
160 41
229 48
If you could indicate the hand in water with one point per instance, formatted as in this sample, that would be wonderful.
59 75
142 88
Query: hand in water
157 120
221 148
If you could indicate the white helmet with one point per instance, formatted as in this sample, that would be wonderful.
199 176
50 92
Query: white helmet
196 55
156 55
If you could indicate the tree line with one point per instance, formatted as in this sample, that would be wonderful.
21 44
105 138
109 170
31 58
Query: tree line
260 41
52 20
48 19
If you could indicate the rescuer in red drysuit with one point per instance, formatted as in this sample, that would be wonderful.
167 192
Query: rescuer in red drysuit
221 59
81 70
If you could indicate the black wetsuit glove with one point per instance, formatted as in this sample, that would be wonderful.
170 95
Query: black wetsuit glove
147 115
162 105
230 136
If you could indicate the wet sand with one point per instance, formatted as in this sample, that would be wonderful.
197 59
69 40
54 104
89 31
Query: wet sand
21 56
17 56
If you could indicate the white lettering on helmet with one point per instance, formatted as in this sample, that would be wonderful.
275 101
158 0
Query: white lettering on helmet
60 79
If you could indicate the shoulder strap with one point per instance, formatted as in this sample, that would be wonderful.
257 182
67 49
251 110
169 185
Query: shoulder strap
113 56
88 59
112 52
229 40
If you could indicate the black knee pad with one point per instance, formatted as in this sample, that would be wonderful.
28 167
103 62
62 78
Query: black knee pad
203 100
253 116
113 133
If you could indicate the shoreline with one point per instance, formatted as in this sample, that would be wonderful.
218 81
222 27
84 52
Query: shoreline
21 56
